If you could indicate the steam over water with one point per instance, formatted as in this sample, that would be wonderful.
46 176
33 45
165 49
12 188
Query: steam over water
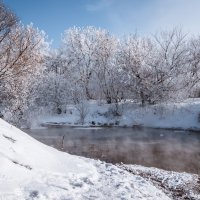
166 149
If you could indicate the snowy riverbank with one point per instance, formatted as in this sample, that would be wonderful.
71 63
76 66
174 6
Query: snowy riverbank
176 185
184 115
32 170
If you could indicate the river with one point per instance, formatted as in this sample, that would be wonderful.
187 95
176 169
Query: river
165 149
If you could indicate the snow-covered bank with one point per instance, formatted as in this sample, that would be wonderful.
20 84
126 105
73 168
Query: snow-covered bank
176 185
31 170
183 115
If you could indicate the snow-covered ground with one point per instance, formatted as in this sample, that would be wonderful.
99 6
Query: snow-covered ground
31 170
176 185
185 115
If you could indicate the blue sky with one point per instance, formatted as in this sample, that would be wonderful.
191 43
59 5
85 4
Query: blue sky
118 16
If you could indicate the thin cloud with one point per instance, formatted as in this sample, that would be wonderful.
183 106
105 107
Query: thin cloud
149 17
99 5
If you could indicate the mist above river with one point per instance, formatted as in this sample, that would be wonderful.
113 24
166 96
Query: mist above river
166 149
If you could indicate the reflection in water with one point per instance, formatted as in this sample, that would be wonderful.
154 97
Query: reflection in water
166 149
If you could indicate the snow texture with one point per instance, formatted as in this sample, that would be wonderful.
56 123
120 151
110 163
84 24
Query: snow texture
176 185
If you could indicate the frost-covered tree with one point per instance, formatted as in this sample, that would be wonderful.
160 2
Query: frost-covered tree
7 21
155 68
27 49
171 64
80 46
192 76
53 88
91 63
106 69
133 55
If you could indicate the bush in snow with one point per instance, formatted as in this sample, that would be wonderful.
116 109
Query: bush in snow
82 108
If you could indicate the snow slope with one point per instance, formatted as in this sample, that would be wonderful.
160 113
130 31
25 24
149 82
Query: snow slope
184 115
31 170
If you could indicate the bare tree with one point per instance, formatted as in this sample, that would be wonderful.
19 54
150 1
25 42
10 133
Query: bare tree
170 64
80 46
155 68
20 51
106 69
132 57
82 108
7 20
193 70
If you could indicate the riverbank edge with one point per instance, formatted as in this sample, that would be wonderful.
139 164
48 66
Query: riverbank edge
58 125
176 185
183 116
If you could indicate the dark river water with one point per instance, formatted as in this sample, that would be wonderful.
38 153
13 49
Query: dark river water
166 149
